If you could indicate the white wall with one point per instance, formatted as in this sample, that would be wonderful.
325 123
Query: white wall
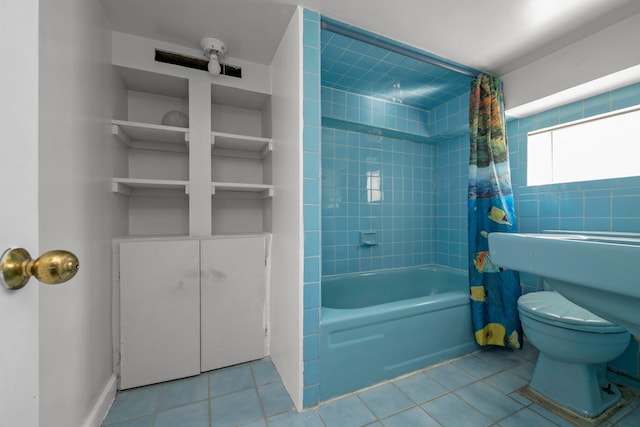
286 278
608 51
19 396
76 381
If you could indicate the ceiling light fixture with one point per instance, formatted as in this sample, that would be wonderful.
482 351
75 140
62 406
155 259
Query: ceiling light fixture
214 49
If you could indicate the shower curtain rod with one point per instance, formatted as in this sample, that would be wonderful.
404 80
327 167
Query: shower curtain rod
338 29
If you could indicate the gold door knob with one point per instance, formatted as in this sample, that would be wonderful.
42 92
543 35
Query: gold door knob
51 267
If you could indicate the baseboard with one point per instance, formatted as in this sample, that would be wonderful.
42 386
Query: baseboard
103 403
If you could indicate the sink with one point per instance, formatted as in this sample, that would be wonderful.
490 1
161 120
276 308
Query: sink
598 271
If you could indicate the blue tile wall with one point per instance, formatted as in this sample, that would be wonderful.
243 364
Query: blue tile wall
449 120
402 215
450 203
359 67
449 125
450 131
311 203
603 205
376 116
364 135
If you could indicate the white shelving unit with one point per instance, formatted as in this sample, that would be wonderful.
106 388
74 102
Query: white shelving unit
243 147
163 168
127 186
263 190
147 136
151 173
232 145
135 133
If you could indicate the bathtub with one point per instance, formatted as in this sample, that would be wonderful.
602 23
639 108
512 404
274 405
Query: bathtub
379 325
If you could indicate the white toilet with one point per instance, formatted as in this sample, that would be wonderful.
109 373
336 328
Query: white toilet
574 347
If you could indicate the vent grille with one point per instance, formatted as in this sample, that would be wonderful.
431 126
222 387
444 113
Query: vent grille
195 63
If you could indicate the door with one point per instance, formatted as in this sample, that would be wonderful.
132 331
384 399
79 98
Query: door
233 294
160 311
19 390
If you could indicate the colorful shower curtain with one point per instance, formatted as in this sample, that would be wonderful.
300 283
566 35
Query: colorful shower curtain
494 291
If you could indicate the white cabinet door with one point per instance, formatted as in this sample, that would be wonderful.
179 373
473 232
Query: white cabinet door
160 311
233 301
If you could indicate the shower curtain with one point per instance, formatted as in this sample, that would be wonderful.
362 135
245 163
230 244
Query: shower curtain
494 291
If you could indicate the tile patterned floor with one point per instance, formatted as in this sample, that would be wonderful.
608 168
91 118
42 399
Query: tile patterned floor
476 390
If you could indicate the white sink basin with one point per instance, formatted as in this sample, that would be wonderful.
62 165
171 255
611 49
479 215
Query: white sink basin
600 272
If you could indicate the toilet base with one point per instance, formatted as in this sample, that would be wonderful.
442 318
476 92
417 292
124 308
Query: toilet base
581 388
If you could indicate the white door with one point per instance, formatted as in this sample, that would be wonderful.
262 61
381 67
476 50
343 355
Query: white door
233 301
19 390
160 311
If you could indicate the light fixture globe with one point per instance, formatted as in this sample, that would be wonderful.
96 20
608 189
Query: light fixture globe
214 49
214 64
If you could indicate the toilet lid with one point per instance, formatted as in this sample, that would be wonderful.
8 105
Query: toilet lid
551 307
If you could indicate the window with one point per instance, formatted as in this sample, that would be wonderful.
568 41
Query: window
600 147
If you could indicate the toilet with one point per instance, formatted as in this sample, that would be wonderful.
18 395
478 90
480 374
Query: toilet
574 346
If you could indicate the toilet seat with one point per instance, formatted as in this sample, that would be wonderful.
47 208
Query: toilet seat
552 308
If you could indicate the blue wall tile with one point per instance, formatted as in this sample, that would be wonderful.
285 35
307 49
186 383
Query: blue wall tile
395 209
312 295
311 269
311 322
628 206
311 374
311 60
311 243
311 191
367 111
311 347
597 105
310 109
311 396
311 84
625 97
598 207
625 224
605 205
571 206
571 112
312 100
311 164
311 217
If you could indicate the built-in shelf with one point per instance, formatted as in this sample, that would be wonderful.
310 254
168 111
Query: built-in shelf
237 131
227 144
127 185
150 136
261 190
239 98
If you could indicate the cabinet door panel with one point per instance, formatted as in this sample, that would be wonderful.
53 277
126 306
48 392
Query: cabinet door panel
160 311
233 301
